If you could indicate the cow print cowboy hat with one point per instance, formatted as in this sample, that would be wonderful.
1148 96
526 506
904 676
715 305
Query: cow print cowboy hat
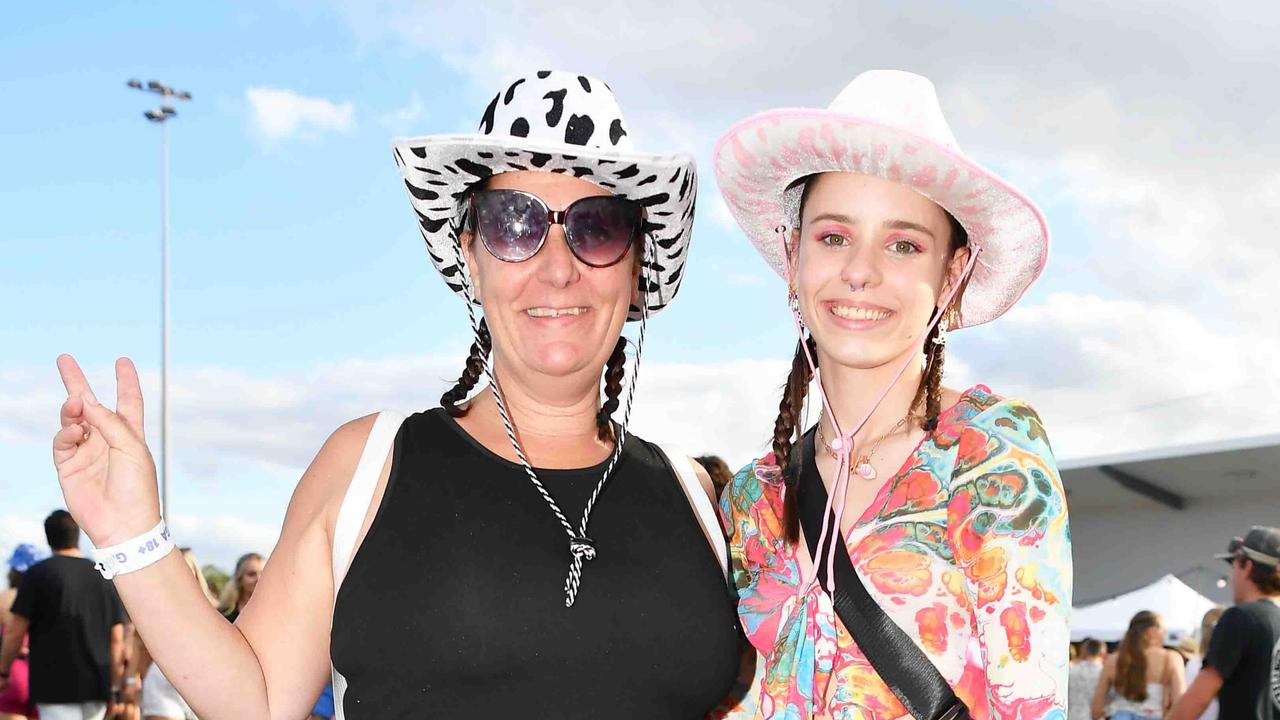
554 122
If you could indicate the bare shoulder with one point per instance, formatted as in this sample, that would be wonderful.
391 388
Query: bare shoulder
323 485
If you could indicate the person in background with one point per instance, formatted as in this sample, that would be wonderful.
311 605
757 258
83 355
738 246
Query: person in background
1143 679
1082 678
1240 665
238 590
15 701
719 471
1195 663
76 623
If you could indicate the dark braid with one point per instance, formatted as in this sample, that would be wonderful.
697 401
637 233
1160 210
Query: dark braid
470 374
613 373
784 429
931 384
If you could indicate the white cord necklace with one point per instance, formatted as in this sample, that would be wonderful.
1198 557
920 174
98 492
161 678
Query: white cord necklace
581 547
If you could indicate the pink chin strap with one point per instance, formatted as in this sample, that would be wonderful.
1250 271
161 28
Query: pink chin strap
842 444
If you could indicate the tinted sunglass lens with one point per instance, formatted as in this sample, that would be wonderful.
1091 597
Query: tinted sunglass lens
600 229
511 224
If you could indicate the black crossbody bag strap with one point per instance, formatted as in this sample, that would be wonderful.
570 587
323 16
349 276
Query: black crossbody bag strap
897 659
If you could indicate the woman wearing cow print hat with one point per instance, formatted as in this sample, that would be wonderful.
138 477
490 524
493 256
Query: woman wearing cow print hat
518 554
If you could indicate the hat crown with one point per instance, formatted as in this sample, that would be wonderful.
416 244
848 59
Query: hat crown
553 107
897 99
1264 540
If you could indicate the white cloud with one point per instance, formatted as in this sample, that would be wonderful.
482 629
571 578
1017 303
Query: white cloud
284 114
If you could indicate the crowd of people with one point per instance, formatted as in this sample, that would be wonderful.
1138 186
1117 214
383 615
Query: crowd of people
67 648
1231 670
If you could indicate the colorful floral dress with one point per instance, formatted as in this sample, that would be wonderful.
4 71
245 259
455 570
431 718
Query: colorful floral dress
966 548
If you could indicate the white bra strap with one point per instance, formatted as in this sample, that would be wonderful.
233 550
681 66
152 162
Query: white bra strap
355 505
702 507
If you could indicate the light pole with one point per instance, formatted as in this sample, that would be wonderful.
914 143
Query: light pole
162 115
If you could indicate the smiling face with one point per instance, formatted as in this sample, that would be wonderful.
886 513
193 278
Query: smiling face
872 260
551 315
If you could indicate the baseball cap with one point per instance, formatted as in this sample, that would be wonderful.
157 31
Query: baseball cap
1261 545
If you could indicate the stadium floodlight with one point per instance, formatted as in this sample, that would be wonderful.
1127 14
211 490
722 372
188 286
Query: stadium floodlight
160 116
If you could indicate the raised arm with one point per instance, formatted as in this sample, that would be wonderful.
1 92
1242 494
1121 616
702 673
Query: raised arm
274 661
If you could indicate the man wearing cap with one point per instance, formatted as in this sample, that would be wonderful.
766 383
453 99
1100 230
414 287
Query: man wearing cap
1241 665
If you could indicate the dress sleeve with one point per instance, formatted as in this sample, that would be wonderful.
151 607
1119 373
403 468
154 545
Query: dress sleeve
1007 528
735 515
736 505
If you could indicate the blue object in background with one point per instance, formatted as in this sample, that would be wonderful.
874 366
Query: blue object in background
324 706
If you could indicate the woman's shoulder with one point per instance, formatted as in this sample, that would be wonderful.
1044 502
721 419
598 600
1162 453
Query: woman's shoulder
757 485
984 421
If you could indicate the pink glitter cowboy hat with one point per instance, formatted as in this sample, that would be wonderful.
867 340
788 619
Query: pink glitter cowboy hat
886 123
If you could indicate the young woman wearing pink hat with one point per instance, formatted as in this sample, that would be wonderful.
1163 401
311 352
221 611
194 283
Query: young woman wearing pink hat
937 519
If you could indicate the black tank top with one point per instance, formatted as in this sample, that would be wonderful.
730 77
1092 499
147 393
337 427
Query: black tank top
453 606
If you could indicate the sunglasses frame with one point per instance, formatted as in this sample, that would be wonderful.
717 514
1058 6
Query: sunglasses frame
554 217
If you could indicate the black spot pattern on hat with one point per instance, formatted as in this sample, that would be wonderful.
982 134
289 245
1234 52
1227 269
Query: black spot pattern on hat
520 128
433 226
627 172
586 85
654 199
422 193
511 92
544 74
557 106
538 159
474 168
486 122
580 171
647 180
579 129
615 131
419 151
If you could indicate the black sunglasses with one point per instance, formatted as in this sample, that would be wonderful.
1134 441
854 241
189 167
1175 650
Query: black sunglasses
513 225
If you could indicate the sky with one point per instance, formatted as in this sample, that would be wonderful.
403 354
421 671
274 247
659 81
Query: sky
302 295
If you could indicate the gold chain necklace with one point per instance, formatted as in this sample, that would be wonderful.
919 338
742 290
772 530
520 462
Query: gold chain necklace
863 466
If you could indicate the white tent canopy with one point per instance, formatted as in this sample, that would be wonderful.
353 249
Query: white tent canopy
1181 608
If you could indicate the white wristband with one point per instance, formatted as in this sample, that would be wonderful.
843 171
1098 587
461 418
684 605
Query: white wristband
134 553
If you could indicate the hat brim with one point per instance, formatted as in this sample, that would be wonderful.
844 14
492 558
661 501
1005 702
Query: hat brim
439 171
761 157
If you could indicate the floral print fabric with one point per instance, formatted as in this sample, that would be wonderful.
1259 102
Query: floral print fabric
966 548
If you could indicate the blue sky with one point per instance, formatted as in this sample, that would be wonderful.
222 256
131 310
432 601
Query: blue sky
302 295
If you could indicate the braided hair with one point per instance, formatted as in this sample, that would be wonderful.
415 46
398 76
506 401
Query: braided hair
784 430
613 374
470 373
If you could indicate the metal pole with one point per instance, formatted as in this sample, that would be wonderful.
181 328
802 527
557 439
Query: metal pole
164 324
162 115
